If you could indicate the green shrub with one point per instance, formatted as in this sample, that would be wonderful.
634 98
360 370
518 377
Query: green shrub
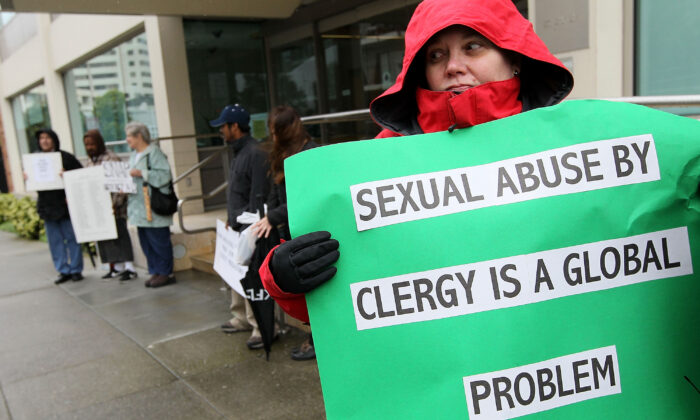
22 214
6 201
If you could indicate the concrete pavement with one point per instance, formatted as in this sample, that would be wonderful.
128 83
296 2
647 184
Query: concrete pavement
108 350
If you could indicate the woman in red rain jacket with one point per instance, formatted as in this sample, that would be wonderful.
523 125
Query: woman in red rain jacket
466 62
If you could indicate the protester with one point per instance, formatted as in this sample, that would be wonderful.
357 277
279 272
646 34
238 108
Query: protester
115 252
247 187
466 62
288 138
149 165
52 207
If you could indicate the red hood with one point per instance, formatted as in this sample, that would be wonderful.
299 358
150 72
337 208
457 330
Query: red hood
544 79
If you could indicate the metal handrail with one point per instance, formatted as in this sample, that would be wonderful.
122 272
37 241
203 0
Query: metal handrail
335 117
206 196
676 101
666 101
181 202
200 164
158 139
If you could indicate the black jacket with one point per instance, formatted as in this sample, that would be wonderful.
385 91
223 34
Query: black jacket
51 205
248 183
277 203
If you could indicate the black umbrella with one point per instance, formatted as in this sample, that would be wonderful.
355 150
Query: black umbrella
92 252
261 303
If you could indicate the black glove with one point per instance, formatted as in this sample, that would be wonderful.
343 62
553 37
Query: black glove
304 263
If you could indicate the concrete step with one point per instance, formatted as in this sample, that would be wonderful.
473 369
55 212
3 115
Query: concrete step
203 262
187 246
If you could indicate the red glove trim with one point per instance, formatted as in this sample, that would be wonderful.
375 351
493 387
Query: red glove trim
292 303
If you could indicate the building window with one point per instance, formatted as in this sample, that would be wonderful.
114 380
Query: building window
108 101
667 48
226 62
362 61
296 82
104 75
342 66
31 113
105 64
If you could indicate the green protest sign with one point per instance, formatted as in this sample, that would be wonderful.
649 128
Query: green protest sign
542 263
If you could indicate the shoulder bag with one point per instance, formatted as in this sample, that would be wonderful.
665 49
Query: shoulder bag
163 204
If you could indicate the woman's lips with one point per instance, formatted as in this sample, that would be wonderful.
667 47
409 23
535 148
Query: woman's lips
458 88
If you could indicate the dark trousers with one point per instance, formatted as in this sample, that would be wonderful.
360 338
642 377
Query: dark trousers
155 243
65 251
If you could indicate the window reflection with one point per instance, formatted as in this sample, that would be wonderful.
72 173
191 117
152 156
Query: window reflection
226 63
362 61
667 40
296 82
31 113
109 90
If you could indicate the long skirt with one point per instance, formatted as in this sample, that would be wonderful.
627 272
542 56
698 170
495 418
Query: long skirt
117 250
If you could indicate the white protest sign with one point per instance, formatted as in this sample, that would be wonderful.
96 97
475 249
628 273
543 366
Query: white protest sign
89 205
43 171
521 280
572 169
224 257
117 178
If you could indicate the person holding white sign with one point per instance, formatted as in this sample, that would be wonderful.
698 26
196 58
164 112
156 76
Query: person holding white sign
115 252
247 184
52 207
149 165
466 62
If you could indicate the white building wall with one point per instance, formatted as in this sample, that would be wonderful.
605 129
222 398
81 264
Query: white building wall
600 70
68 40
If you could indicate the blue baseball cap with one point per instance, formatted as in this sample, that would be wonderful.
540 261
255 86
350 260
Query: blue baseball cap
232 114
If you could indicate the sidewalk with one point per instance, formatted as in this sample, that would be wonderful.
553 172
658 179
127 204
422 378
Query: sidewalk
108 350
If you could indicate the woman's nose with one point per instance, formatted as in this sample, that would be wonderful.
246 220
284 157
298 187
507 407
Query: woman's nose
456 64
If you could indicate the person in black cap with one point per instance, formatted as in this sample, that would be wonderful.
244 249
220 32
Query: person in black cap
248 183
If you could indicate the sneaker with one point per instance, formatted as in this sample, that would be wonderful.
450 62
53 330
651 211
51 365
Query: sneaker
109 275
305 352
77 276
62 278
127 275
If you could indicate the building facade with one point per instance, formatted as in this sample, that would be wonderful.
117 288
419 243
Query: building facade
75 72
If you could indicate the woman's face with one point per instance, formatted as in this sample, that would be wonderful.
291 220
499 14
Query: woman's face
459 58
45 142
134 140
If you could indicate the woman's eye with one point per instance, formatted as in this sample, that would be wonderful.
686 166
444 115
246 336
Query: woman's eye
473 45
435 55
